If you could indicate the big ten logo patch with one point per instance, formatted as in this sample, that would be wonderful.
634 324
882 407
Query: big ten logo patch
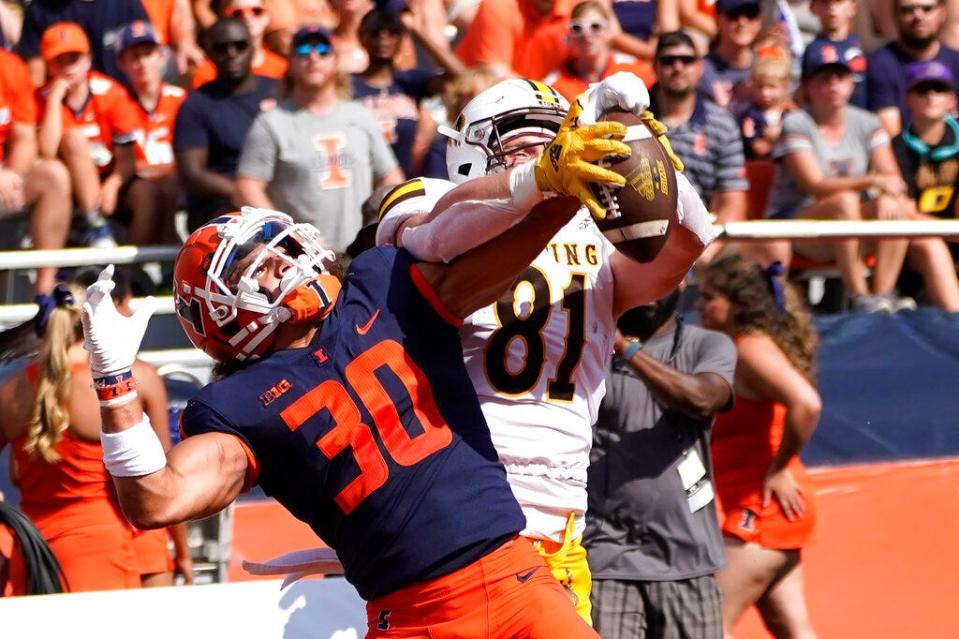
333 162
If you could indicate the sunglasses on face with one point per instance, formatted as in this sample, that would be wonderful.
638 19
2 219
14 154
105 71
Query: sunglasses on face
909 9
224 47
580 28
925 88
671 60
750 12
305 49
244 12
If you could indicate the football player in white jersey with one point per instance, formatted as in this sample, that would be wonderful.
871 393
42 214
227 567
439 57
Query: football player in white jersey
538 357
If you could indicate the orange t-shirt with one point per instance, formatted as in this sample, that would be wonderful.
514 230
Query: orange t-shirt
272 66
570 86
17 102
514 34
108 117
160 13
74 506
153 138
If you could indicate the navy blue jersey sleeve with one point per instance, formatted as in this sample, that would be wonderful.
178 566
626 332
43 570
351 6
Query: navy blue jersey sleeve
190 131
199 418
406 291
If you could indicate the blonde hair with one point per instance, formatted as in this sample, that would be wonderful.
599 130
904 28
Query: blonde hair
50 417
771 60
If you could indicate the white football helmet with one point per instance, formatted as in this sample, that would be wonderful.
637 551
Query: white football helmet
510 108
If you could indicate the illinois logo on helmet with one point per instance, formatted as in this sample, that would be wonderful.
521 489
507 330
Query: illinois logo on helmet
219 302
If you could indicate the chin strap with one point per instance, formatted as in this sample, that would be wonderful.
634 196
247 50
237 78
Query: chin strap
313 299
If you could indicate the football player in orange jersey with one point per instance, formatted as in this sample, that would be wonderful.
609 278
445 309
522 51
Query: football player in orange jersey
88 121
151 197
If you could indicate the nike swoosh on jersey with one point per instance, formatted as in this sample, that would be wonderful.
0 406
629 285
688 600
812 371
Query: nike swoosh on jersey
363 330
525 576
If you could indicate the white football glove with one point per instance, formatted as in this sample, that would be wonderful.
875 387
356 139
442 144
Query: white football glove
622 90
111 339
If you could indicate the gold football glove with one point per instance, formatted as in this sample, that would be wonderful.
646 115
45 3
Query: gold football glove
568 164
659 130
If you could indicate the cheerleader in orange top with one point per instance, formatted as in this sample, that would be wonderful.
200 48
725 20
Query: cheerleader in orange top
49 414
767 503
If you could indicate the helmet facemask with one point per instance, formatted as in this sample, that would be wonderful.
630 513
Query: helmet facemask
233 297
493 135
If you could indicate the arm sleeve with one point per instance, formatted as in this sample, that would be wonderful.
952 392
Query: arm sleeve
189 131
795 136
717 354
460 228
198 418
260 151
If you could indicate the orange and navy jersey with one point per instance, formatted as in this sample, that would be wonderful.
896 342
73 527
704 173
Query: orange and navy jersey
271 66
17 103
108 117
373 434
153 137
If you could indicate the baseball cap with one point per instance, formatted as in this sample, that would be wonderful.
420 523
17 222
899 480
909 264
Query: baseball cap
312 32
820 54
134 33
63 37
728 6
929 71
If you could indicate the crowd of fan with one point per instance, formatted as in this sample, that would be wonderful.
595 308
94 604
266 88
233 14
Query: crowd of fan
116 114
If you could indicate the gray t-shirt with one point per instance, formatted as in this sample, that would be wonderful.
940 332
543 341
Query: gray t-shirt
640 525
847 157
319 168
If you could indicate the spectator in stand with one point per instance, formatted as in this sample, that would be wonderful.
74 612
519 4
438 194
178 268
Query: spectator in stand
88 121
636 23
920 23
829 154
255 16
394 96
286 16
767 502
457 92
588 55
351 56
698 19
726 68
928 149
836 18
315 156
704 136
214 120
524 37
49 414
43 185
176 29
761 122
651 530
99 19
151 197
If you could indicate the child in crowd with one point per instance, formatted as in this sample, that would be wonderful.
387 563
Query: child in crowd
836 18
761 122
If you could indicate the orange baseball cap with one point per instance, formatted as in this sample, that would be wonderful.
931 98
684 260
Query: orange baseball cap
63 37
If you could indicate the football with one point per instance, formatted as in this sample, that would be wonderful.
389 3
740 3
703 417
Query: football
641 214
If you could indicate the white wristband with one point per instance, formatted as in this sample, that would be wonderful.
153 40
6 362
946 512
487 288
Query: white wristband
133 452
522 185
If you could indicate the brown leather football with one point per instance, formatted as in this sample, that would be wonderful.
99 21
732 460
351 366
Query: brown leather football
641 214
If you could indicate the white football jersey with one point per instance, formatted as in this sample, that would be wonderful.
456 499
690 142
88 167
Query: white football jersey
538 360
